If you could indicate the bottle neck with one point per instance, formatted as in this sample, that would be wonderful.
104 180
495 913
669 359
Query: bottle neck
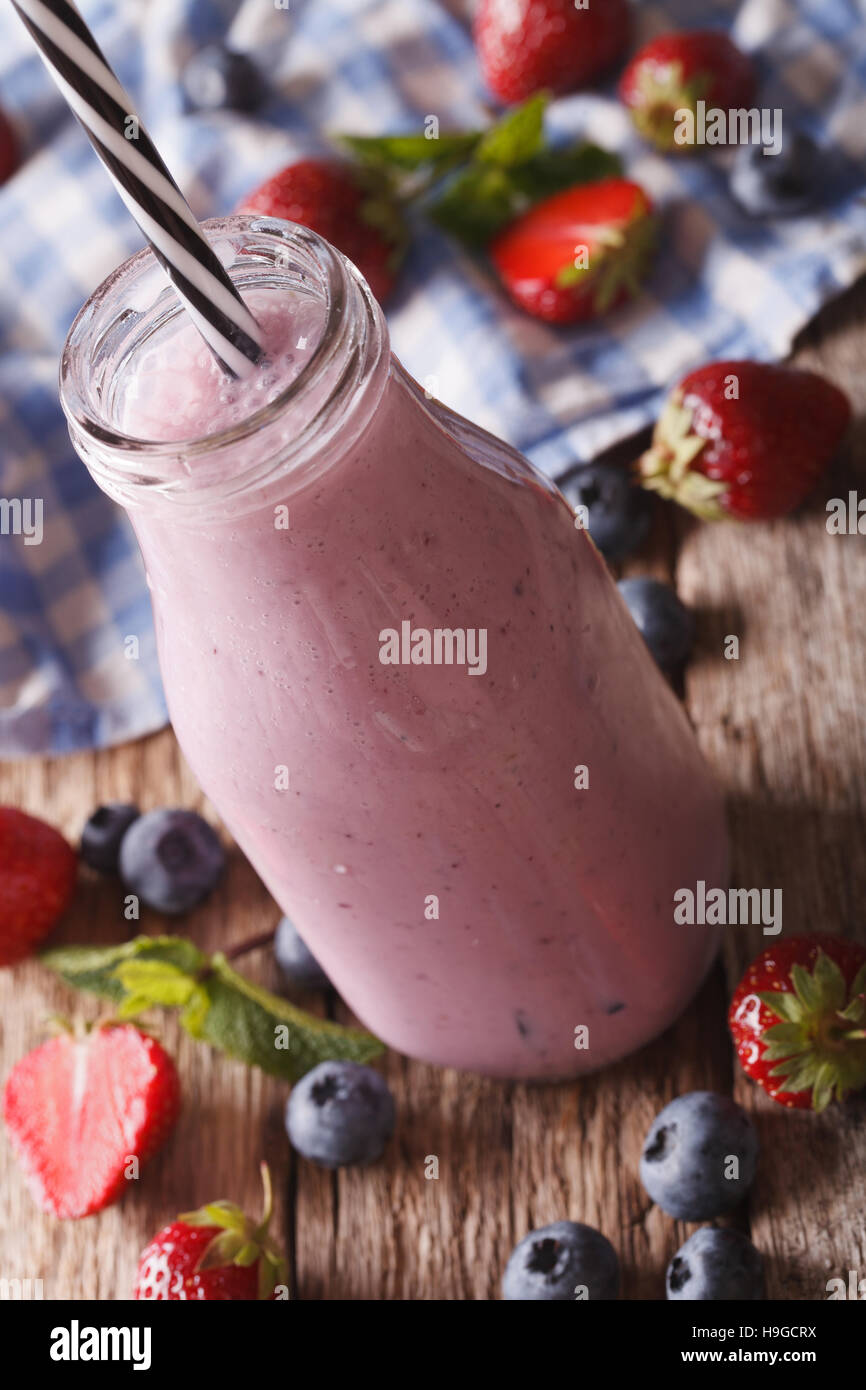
124 346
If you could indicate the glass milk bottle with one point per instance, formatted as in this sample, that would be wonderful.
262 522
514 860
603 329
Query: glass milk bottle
386 649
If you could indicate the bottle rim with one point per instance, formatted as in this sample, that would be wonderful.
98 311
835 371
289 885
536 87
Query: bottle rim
354 340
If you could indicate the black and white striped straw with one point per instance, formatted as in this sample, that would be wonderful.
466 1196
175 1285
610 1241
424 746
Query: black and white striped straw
78 66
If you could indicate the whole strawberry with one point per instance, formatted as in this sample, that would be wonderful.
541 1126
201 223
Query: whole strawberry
578 254
215 1253
38 870
525 46
81 1108
745 439
350 209
9 154
674 72
798 1020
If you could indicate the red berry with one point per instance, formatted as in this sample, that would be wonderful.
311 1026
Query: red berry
676 71
525 46
797 1020
215 1253
168 1268
331 199
38 870
80 1109
577 254
9 153
745 439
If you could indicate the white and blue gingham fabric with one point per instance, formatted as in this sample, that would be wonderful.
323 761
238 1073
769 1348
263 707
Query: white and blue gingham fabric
723 285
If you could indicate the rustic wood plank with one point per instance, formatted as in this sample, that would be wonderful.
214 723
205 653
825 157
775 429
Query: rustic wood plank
785 727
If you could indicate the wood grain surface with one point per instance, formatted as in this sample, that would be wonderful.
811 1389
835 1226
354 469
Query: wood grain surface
784 728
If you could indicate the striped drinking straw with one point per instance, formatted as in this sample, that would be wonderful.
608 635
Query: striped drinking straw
103 107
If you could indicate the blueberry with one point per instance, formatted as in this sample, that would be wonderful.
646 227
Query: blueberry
665 624
340 1113
218 77
618 511
171 859
103 832
296 960
778 185
716 1264
687 1165
559 1262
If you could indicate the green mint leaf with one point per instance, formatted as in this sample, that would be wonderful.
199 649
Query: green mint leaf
265 1031
95 968
218 1006
481 200
517 136
477 204
132 1006
157 981
405 154
560 167
195 1012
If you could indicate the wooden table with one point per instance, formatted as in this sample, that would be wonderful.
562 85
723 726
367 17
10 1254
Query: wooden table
784 728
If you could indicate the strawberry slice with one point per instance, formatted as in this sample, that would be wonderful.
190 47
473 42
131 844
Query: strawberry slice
673 72
578 254
79 1108
747 440
798 1020
38 870
215 1254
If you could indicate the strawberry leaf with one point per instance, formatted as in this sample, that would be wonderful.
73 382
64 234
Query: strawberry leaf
822 1090
405 154
782 1040
830 983
784 1006
858 984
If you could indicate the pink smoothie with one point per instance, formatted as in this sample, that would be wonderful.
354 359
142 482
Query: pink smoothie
421 824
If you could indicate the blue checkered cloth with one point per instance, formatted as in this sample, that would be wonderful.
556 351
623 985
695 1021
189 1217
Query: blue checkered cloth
723 286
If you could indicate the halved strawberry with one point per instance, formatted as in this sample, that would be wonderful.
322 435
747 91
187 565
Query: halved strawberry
578 254
80 1108
744 439
213 1254
674 72
38 870
798 1020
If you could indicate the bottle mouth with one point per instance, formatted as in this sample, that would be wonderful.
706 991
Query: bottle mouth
135 304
